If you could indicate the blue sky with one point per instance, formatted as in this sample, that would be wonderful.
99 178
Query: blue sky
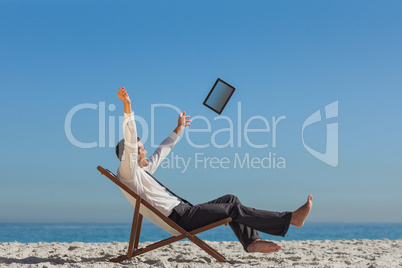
285 58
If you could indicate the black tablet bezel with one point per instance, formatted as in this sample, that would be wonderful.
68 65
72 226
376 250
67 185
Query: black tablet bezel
227 100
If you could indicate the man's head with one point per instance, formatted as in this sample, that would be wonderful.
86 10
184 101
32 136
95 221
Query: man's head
142 153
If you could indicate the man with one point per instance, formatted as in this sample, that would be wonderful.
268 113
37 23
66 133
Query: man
135 170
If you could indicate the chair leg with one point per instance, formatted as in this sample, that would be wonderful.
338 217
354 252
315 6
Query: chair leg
137 233
135 237
158 244
134 228
119 259
170 240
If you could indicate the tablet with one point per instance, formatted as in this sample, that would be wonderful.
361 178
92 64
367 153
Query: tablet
219 96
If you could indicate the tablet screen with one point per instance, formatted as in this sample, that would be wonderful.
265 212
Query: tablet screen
219 96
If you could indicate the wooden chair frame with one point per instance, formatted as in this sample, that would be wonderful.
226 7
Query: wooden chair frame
133 249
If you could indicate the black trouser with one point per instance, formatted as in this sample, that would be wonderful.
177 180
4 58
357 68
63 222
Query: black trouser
245 220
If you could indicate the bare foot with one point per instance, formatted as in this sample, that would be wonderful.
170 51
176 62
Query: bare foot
300 215
263 246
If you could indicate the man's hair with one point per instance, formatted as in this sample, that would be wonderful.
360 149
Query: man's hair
120 148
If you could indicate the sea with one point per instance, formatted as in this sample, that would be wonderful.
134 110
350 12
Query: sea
120 232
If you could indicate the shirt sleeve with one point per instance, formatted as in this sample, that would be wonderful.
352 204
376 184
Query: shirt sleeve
128 164
161 152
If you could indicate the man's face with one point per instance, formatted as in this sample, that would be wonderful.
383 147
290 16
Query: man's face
142 155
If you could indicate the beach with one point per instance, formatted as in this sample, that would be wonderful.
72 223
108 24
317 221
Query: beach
308 253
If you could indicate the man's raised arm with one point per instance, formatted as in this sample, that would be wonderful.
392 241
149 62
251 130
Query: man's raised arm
166 146
129 158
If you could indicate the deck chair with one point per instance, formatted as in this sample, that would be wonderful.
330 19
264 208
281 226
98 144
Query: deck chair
144 209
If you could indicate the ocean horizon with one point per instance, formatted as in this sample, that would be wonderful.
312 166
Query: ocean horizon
120 232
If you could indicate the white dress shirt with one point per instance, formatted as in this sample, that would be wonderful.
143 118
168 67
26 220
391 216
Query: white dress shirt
136 178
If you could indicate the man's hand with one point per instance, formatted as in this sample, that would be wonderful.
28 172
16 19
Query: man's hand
123 95
182 122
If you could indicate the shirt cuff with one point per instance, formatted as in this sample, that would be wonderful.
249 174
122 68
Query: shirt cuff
174 136
128 115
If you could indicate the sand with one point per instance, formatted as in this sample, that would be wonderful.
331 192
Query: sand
340 253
